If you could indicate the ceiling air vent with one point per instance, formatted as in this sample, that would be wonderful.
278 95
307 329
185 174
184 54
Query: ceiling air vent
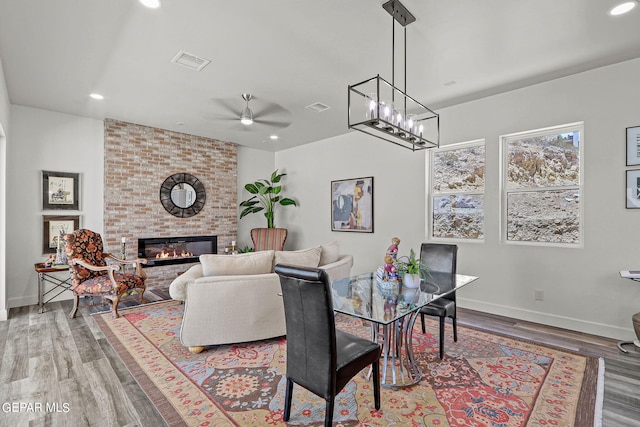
190 61
318 107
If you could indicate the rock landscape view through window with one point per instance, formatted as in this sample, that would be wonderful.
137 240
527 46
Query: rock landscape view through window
542 183
543 193
458 202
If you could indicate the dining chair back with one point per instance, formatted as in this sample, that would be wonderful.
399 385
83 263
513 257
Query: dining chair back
441 258
320 358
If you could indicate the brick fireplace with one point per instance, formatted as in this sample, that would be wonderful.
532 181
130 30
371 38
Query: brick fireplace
137 160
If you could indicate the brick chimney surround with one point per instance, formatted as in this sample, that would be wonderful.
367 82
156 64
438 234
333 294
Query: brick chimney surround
137 159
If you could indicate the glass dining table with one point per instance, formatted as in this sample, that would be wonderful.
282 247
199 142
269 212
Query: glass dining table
392 310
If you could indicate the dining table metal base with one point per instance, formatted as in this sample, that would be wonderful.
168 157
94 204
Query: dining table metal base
398 363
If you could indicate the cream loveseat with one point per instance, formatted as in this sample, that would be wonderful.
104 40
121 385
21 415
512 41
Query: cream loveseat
236 298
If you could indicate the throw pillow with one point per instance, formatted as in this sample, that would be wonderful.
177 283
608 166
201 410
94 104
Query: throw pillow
228 265
330 253
302 258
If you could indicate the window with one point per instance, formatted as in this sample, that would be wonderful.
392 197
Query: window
457 191
542 186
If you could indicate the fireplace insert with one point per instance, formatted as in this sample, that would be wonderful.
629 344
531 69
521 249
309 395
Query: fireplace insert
175 250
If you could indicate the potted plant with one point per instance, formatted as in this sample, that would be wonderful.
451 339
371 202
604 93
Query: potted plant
412 270
266 197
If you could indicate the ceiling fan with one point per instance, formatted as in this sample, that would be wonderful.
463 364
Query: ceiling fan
264 113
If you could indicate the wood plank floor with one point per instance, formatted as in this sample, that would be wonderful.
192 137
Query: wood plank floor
68 363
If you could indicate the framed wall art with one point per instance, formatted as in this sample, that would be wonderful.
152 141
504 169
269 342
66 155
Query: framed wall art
60 190
52 226
352 205
633 189
633 146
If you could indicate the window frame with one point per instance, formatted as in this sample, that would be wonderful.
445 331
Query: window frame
504 191
429 186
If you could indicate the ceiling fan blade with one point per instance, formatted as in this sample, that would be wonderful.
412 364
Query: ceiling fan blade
229 105
273 123
270 109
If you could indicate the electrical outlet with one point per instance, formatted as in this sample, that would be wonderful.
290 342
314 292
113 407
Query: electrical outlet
539 295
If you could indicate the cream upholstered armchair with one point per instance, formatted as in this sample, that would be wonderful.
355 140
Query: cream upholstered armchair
265 239
91 275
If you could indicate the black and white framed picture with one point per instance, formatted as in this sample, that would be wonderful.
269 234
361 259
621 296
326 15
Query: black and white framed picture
352 205
60 190
633 146
53 226
633 189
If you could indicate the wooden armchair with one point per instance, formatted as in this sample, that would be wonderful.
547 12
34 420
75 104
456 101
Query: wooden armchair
91 275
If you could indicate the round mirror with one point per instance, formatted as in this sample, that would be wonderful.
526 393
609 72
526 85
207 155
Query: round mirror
182 195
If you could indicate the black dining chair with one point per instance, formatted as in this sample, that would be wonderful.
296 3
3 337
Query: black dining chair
441 258
320 358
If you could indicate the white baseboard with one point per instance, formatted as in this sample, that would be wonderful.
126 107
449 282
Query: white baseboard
22 301
33 300
579 325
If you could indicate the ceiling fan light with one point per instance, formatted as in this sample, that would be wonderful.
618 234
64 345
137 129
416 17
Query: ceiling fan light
246 117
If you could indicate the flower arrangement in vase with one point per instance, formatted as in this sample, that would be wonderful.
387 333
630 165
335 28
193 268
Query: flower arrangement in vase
412 270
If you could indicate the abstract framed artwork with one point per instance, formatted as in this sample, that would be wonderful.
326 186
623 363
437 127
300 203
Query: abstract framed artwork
352 205
633 146
53 226
60 190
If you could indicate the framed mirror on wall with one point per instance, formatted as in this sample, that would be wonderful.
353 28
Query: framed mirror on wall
182 195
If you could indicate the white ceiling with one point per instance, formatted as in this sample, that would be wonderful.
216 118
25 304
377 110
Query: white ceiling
289 54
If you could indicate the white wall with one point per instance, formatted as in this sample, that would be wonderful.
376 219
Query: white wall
252 166
4 137
398 193
45 140
582 287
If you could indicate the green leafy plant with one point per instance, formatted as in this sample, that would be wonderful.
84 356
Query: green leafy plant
245 250
266 197
412 265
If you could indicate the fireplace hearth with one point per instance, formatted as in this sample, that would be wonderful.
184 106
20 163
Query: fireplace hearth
175 250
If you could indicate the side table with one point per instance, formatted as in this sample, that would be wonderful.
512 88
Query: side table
635 276
46 274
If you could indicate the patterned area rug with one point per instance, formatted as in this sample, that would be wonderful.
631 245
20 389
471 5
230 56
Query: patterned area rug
95 305
484 379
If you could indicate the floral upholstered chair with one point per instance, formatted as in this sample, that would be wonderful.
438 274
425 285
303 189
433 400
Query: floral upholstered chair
92 276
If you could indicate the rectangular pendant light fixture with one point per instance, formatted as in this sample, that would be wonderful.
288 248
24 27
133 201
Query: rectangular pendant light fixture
377 107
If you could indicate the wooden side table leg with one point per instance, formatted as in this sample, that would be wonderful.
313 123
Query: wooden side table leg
40 292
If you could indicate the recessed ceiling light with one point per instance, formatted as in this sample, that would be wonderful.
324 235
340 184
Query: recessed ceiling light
97 96
151 4
623 8
274 137
180 123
